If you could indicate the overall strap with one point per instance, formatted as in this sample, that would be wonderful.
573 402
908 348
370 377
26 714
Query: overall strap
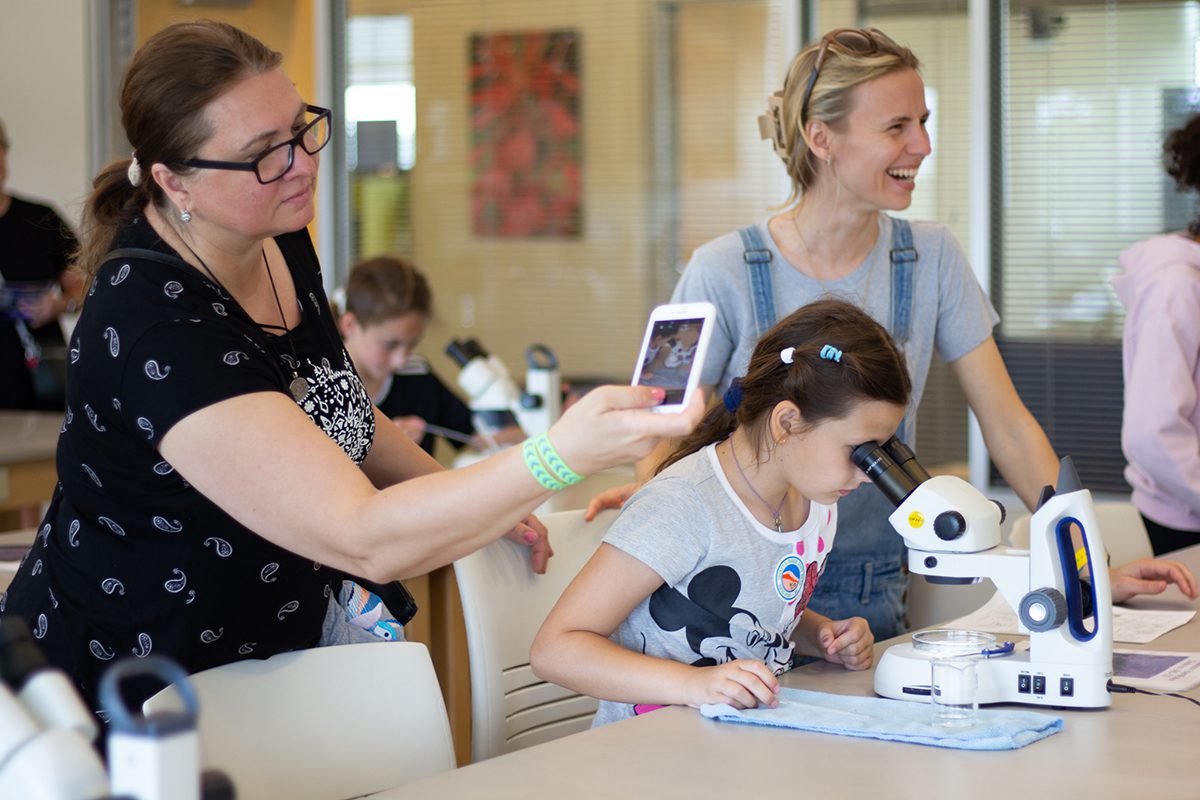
903 257
758 264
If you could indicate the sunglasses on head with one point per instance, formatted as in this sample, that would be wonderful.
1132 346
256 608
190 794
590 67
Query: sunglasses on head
850 41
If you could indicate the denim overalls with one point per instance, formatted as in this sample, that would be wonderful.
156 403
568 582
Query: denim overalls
865 574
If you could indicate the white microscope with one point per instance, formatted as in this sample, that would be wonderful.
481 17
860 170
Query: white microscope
46 733
494 397
953 536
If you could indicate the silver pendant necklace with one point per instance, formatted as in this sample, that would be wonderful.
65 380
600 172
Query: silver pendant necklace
777 510
298 387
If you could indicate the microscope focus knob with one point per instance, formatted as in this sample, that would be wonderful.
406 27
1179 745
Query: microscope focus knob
1043 609
949 525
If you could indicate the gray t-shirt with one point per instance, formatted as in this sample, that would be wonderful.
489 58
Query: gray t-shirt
949 309
732 587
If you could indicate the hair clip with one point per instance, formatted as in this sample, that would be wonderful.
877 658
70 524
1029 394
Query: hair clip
134 172
770 125
733 396
787 354
831 353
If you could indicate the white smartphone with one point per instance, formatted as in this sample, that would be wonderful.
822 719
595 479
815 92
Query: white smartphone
673 351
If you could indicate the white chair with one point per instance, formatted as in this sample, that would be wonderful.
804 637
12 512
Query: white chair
321 724
1121 527
504 604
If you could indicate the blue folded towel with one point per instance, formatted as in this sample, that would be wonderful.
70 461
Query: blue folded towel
895 720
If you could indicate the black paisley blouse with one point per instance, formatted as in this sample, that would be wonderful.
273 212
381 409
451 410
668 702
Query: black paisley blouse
130 559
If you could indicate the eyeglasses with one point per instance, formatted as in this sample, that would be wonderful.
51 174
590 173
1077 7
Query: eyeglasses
275 162
858 41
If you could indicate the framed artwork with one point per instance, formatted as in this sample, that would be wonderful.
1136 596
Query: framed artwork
526 171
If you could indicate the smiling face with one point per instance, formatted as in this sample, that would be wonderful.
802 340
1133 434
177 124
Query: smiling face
383 348
816 461
260 111
879 146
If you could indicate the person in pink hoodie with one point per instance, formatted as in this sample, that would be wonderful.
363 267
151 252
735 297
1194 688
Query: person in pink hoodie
1159 284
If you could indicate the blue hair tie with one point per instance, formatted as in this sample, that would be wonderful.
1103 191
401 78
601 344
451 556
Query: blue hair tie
831 353
733 396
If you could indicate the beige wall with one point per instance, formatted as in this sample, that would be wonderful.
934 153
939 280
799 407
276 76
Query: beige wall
44 99
585 298
283 25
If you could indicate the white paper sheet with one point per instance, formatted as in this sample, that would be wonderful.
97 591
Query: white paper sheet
1158 670
1136 626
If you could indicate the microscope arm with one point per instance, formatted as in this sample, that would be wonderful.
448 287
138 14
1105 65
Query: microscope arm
1006 567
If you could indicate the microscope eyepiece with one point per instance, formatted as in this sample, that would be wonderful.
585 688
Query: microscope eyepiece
464 350
903 455
891 478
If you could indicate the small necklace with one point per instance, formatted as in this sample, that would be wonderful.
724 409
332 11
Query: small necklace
775 512
825 291
298 386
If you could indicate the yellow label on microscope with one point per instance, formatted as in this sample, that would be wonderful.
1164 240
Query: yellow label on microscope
916 519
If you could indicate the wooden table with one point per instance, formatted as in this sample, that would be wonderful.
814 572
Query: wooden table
1141 747
28 441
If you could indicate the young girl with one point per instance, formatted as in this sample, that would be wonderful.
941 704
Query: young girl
382 318
699 591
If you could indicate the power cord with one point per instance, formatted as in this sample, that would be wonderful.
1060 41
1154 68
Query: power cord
1119 688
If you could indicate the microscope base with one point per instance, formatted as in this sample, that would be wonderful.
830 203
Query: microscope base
903 673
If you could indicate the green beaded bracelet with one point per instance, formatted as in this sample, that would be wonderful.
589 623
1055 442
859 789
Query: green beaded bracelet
554 462
538 470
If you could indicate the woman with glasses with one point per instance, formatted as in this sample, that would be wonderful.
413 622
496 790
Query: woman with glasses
849 125
221 467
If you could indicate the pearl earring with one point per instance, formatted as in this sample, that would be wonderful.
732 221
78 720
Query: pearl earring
829 159
185 216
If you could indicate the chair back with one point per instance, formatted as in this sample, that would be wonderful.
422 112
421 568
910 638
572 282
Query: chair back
504 604
321 724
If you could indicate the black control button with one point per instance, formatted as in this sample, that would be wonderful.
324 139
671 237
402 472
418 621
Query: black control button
1039 684
1023 684
1066 687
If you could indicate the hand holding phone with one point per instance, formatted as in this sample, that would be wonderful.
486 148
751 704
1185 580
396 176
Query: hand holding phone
673 350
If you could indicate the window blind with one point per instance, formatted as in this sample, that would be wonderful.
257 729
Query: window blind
1088 92
379 129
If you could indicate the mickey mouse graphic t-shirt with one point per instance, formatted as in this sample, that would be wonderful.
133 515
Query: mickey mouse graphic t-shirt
130 558
732 587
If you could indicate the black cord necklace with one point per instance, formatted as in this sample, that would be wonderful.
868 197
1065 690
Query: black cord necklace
298 386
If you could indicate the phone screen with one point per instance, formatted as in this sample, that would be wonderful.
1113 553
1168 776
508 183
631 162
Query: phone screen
670 356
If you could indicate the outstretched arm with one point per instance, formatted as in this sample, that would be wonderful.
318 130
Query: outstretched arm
573 649
1014 439
1150 576
276 473
1020 448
